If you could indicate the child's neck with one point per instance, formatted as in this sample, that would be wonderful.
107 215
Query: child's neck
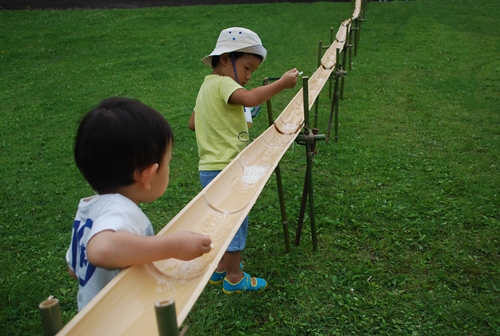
218 72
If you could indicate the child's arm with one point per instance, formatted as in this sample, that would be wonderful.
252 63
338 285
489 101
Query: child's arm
262 94
72 273
191 122
119 249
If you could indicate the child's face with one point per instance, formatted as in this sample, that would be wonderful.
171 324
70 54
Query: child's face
160 180
245 66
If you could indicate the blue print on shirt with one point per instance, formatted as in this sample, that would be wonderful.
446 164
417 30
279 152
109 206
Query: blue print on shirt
79 249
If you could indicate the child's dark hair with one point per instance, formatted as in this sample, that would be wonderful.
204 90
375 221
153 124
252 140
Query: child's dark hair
234 55
117 138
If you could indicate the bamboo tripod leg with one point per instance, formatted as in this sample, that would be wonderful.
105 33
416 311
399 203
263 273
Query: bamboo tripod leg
356 31
330 79
330 119
360 19
284 221
334 108
359 32
344 60
300 222
316 113
309 178
336 98
334 112
316 103
279 182
320 52
309 136
306 188
349 32
356 36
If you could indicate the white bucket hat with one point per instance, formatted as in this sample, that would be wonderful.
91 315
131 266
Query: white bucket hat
236 39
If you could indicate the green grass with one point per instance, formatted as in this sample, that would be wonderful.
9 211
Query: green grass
407 202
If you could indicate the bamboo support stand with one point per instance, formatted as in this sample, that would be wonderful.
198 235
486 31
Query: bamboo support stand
309 138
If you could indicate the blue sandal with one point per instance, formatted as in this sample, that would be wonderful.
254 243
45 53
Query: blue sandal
218 277
246 284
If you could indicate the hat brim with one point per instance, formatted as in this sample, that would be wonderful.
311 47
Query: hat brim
257 50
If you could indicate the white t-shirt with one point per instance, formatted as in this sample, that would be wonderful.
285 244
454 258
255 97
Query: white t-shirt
95 214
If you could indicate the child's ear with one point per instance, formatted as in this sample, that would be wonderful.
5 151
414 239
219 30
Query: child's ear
224 59
144 176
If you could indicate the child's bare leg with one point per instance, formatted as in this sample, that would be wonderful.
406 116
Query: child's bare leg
221 267
232 263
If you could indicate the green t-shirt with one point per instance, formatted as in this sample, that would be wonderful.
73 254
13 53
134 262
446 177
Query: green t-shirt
221 128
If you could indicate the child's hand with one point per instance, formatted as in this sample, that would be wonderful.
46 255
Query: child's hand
191 244
289 78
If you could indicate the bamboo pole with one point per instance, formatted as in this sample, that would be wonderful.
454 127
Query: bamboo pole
336 97
344 60
303 138
300 221
320 51
330 79
284 220
349 34
277 171
333 109
316 102
309 156
356 36
51 316
360 20
166 317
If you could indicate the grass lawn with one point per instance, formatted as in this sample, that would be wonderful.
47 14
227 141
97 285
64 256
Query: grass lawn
407 201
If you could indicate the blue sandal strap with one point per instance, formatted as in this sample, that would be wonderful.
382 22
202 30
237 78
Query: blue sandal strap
218 277
246 284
